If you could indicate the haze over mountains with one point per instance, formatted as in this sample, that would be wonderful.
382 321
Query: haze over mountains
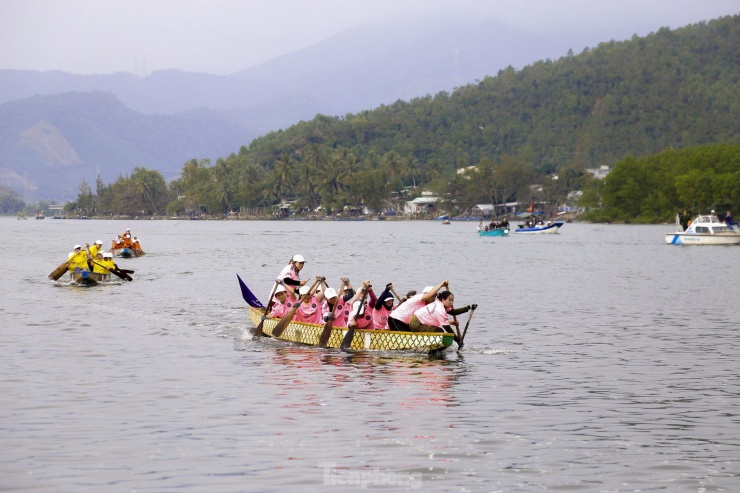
57 129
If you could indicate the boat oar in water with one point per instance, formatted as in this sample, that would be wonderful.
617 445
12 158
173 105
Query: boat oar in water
59 271
118 272
347 341
326 333
257 331
467 324
283 323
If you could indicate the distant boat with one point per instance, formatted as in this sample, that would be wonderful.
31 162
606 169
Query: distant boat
550 228
705 230
494 232
40 215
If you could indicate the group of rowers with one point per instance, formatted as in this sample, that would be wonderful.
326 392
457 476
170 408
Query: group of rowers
92 258
362 309
125 240
503 224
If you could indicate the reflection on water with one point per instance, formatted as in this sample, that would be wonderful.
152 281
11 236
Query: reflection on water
599 359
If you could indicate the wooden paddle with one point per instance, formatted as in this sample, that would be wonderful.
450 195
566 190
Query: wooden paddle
257 331
347 341
118 272
462 339
326 333
283 324
59 271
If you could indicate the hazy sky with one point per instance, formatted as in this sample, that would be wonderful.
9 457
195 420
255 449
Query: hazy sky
225 36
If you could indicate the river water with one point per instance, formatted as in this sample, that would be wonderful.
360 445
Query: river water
599 359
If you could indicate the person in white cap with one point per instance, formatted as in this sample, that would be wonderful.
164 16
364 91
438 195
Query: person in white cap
435 317
78 260
400 317
383 308
290 274
281 304
310 308
99 267
361 315
345 298
95 248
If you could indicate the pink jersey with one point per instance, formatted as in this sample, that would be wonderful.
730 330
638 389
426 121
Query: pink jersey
364 319
404 311
434 314
278 309
340 314
309 312
380 317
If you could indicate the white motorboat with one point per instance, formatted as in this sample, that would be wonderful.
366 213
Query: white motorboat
705 230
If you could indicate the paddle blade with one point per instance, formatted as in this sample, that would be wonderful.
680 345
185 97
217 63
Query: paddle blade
248 296
59 271
257 331
325 334
347 341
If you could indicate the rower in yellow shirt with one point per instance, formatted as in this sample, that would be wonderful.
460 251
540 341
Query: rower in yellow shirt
103 265
78 260
95 248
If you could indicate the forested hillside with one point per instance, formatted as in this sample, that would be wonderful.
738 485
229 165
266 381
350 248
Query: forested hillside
634 98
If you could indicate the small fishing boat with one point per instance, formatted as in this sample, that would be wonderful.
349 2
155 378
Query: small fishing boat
363 340
494 232
549 228
705 230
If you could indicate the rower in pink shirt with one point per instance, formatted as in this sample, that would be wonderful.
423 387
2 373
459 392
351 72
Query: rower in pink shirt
361 314
289 276
383 308
310 309
400 317
282 303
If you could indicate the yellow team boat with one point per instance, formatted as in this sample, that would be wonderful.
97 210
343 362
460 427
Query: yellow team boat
363 340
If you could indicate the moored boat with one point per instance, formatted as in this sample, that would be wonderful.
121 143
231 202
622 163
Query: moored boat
549 228
705 230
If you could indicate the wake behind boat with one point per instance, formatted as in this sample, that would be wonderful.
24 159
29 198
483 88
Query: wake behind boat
705 230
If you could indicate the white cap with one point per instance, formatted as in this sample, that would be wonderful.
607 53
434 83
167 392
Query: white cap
128 229
98 242
280 289
330 293
76 247
389 298
427 289
303 290
128 236
107 255
298 258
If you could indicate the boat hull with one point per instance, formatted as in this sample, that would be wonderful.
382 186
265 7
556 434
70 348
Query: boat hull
702 239
126 252
494 232
364 340
538 230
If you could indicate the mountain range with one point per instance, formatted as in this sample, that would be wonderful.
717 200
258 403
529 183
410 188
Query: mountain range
57 128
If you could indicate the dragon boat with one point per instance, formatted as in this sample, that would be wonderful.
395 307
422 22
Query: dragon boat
363 340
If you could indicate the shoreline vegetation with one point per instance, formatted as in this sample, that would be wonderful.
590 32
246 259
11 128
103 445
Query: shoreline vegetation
655 114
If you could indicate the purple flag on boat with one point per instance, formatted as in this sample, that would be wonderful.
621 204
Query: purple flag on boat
248 296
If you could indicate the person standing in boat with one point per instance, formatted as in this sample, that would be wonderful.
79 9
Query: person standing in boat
291 272
728 218
400 317
78 260
434 317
